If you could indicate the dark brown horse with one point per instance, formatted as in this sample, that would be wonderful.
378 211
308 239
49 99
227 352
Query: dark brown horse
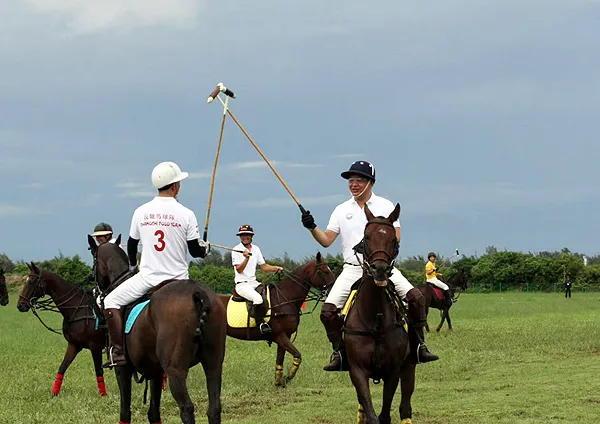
79 325
183 325
3 290
287 298
375 338
457 283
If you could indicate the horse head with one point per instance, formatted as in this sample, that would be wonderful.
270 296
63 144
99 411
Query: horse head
33 289
380 245
110 262
3 290
320 275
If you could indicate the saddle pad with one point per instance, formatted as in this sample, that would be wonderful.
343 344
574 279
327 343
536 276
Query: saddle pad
438 293
237 313
349 303
132 317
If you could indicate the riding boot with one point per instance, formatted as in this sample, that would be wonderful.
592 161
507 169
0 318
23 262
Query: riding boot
417 317
333 327
448 298
259 311
114 321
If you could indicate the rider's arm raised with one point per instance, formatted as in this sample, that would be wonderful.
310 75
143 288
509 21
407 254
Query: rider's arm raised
324 238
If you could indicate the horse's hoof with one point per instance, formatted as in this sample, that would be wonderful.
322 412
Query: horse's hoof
406 421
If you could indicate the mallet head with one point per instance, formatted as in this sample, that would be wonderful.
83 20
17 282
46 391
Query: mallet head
220 88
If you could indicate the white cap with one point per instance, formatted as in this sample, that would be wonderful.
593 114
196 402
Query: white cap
166 173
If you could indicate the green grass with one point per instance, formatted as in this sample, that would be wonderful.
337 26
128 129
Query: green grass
513 358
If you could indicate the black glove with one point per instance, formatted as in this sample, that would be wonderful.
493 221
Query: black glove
308 221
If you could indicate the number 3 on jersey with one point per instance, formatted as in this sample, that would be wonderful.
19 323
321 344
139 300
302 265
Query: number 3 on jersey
160 245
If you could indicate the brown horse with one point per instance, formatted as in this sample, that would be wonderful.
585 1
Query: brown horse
457 283
287 298
3 290
375 338
183 325
79 325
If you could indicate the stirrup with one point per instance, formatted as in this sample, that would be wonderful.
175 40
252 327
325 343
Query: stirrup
337 359
265 328
111 361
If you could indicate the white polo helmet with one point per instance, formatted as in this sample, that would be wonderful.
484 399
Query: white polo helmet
166 173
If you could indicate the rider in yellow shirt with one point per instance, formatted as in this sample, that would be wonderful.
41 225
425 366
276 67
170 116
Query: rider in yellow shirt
431 275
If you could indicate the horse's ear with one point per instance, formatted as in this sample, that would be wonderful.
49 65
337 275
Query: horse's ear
369 214
319 258
92 244
118 240
395 213
34 268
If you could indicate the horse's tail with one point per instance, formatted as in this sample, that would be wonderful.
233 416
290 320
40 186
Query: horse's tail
202 304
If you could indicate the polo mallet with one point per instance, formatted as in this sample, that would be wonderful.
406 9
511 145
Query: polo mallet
255 145
220 88
227 248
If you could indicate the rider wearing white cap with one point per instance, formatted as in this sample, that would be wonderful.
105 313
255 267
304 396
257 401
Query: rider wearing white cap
167 230
348 220
244 265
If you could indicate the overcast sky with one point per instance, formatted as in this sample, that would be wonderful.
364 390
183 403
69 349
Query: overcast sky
481 118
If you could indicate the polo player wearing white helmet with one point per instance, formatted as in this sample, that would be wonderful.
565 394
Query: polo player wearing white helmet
348 221
167 230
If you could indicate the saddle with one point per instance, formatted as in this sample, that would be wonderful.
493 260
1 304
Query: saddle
437 293
134 309
238 308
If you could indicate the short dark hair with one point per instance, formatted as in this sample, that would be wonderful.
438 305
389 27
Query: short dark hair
168 186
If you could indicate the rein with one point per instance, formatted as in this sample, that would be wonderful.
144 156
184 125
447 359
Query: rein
39 304
316 295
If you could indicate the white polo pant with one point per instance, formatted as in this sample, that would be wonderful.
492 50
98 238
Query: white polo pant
127 292
247 290
350 274
438 283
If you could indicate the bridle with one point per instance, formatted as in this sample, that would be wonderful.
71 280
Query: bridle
305 284
369 257
35 303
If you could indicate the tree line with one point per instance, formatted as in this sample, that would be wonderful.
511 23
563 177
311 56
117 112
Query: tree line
495 270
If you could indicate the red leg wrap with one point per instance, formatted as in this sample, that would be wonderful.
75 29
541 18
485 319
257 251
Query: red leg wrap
124 422
57 384
101 385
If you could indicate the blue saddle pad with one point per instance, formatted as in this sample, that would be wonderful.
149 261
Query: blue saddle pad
135 312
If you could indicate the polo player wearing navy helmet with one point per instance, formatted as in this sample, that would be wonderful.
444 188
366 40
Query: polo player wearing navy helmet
244 266
348 220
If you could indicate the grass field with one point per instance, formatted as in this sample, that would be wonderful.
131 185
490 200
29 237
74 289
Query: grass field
513 358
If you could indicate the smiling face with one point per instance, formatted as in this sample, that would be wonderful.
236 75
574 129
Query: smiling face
246 239
359 185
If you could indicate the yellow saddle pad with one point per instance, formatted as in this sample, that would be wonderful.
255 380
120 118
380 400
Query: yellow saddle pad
237 313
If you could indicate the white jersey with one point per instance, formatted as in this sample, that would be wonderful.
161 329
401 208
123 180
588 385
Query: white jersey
249 272
164 226
349 221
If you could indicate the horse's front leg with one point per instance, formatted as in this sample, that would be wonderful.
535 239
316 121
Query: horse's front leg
97 357
361 384
124 380
70 354
390 384
407 387
155 394
426 323
284 341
